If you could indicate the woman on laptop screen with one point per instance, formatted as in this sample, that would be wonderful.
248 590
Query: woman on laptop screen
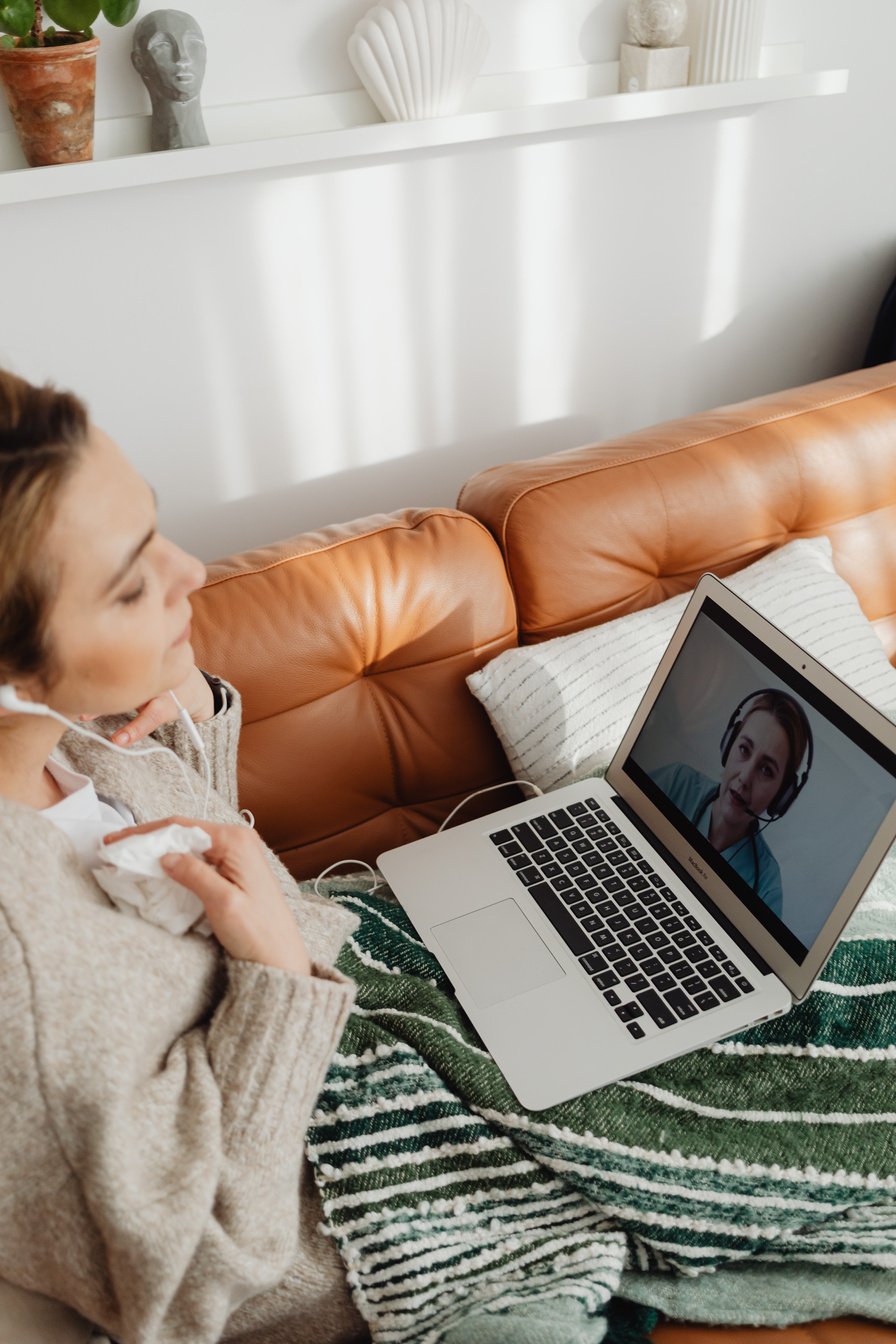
763 746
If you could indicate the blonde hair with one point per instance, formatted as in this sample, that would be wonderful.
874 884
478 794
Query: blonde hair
42 433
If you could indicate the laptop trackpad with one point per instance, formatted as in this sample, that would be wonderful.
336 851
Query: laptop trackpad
496 953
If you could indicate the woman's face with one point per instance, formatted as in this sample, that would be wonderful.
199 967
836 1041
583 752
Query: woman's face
120 623
175 60
755 769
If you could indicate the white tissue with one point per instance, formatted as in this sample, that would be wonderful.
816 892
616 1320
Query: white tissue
131 875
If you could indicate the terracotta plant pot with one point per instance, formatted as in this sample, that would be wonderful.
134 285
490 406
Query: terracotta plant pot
51 94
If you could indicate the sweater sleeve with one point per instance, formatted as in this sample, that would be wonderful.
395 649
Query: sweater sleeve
181 1201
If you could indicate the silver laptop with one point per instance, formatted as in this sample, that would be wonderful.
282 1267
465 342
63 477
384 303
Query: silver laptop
697 889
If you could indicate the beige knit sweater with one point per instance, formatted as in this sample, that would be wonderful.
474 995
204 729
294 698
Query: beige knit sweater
154 1092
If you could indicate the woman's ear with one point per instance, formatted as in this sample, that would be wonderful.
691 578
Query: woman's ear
9 690
17 691
11 702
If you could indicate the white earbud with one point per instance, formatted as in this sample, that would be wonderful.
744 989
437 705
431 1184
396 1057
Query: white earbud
10 700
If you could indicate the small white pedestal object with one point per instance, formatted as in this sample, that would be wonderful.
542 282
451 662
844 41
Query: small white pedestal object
652 67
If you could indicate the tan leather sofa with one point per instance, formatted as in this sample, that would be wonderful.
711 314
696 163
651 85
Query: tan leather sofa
351 645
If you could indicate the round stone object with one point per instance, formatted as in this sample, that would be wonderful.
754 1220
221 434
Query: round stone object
657 23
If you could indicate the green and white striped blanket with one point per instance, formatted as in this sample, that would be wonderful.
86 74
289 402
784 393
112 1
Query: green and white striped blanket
458 1214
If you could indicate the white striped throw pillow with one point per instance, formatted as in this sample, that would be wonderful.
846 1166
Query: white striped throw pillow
560 708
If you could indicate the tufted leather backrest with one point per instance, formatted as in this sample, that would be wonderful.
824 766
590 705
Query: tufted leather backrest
350 647
597 532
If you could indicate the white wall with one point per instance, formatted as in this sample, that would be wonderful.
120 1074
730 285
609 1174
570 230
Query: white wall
277 351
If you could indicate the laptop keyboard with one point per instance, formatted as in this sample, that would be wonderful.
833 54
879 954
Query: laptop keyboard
651 959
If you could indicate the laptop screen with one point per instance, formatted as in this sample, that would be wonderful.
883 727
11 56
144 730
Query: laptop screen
778 789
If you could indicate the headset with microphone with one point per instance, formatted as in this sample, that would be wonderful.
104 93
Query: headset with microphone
796 781
789 791
9 699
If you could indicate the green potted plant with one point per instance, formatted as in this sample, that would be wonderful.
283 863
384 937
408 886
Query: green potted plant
48 73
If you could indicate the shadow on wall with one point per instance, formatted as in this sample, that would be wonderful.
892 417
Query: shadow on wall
425 479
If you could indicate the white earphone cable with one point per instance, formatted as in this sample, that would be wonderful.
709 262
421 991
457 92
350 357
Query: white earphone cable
360 863
506 784
196 738
340 863
10 700
125 751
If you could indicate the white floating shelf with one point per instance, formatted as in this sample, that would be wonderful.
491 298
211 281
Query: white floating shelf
312 133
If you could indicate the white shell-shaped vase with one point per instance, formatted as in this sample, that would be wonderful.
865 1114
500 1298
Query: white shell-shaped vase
418 58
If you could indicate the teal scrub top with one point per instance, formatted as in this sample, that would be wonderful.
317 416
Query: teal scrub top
693 793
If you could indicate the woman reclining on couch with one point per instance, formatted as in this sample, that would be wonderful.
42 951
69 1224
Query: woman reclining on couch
156 1091
151 1119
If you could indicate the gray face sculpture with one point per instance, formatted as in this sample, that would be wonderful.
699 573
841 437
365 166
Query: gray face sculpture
169 55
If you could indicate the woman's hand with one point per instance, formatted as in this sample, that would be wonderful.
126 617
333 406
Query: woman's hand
195 695
247 910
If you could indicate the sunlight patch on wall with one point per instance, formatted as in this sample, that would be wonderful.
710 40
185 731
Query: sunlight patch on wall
224 412
435 305
724 269
375 255
548 287
297 300
337 260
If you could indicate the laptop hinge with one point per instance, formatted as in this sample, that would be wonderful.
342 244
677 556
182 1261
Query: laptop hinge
694 888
